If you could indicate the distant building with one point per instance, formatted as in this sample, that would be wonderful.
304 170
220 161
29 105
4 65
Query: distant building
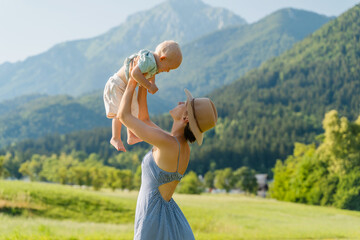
262 184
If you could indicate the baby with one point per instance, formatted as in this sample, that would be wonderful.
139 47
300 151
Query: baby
142 66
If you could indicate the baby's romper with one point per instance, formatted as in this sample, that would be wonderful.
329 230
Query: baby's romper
115 87
156 218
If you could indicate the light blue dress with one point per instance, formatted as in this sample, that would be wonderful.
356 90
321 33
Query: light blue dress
156 218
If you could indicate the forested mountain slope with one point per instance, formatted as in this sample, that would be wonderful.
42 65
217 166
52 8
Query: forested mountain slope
263 113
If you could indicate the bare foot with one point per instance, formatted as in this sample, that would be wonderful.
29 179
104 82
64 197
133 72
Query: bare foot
132 138
117 143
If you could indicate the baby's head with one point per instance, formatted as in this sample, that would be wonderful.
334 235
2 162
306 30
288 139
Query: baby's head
170 55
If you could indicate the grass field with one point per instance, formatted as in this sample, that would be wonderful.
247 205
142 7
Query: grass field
49 211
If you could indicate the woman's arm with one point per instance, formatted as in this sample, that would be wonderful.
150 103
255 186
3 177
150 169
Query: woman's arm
152 135
142 101
143 108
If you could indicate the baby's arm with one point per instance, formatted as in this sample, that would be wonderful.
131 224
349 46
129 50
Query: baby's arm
143 109
152 80
139 77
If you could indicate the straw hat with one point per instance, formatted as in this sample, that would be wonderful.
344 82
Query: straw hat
202 115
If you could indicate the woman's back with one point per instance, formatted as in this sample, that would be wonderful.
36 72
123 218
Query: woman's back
175 160
157 214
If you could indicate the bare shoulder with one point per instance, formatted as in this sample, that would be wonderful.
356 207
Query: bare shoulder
169 144
166 155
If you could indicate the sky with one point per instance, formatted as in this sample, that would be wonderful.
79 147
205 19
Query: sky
28 28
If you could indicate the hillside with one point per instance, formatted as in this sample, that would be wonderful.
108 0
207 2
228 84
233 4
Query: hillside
221 57
263 113
34 116
81 66
39 115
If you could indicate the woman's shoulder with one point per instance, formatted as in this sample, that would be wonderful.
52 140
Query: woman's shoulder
167 156
169 143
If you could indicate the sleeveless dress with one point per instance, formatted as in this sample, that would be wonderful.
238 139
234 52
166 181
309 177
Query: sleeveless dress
156 218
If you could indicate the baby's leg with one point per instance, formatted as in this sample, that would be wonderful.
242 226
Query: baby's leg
116 135
132 138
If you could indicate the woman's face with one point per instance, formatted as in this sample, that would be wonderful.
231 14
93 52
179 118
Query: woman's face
179 111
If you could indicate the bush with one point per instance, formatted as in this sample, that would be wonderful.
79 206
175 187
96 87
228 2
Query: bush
224 179
190 184
245 180
348 194
349 199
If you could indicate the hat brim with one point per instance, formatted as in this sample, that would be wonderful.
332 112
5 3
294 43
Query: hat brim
191 116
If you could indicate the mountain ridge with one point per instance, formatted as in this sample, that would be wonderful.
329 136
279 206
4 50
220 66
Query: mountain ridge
251 45
90 62
94 101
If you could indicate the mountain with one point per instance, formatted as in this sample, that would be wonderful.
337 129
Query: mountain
41 115
264 113
81 66
228 53
221 57
34 116
8 106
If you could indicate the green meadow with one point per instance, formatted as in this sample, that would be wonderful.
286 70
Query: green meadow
41 211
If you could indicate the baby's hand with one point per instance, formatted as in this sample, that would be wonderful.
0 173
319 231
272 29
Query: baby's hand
153 89
152 80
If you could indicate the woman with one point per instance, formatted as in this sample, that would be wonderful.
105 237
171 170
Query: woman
157 215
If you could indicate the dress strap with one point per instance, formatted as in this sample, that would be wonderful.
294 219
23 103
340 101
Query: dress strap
178 155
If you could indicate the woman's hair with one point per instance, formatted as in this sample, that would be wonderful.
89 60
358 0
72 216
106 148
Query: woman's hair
189 136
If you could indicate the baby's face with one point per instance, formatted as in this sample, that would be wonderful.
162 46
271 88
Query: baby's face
172 61
166 65
170 56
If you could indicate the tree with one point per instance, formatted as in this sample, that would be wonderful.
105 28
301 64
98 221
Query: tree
245 179
326 175
2 169
97 178
32 168
112 178
50 169
291 178
126 177
190 184
79 175
224 179
128 160
348 191
209 180
341 143
63 175
11 164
